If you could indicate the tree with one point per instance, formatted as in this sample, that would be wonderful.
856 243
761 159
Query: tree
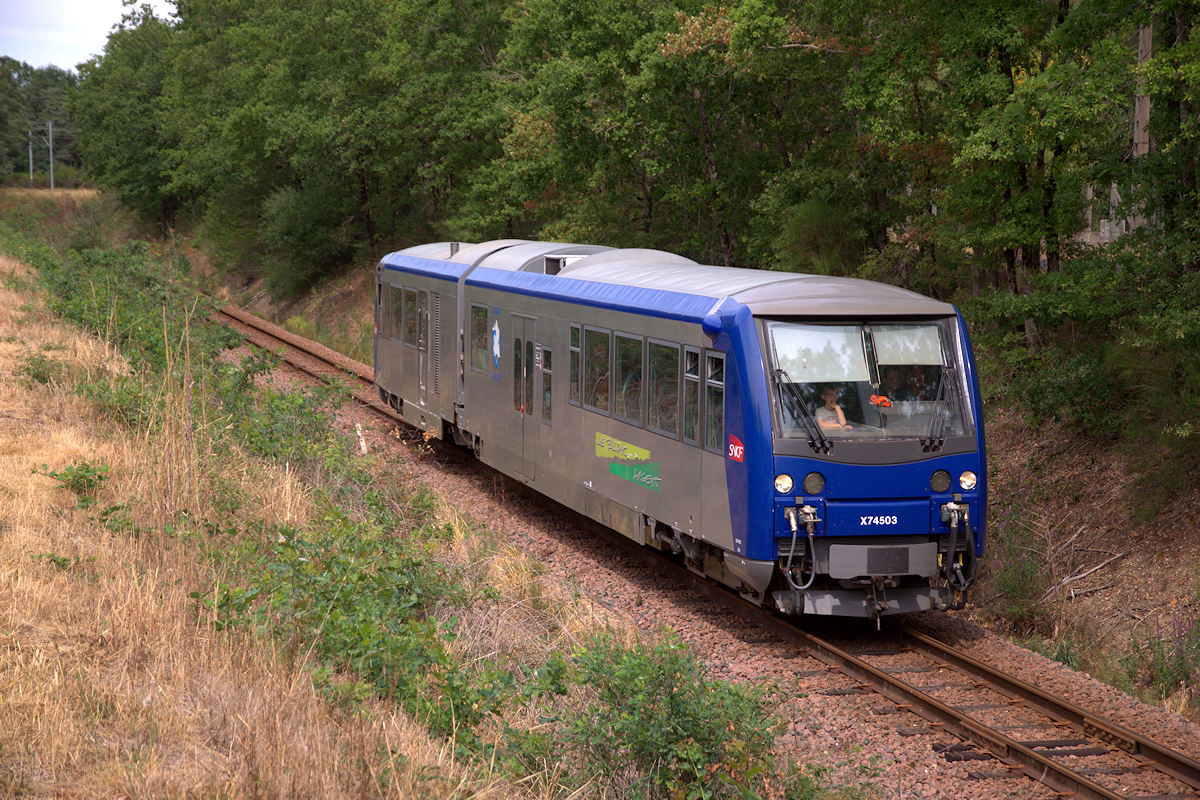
117 109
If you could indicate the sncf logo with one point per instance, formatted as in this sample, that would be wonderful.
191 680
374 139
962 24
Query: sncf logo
737 450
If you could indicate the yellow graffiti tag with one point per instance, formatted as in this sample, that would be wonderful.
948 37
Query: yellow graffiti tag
608 447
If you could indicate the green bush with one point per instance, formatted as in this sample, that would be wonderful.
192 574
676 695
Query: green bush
658 726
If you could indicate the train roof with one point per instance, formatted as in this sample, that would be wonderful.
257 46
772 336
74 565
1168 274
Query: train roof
764 292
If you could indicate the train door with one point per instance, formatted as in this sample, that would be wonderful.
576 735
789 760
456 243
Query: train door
423 359
691 517
718 526
523 398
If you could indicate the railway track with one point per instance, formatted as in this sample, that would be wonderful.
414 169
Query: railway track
1007 727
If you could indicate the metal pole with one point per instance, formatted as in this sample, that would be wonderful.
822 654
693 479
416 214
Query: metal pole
50 127
31 158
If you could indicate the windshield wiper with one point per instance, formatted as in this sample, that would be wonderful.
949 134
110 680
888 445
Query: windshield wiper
934 438
816 438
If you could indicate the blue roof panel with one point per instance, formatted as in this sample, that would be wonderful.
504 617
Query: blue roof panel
446 270
635 299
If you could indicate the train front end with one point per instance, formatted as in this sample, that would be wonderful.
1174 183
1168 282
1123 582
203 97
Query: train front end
879 503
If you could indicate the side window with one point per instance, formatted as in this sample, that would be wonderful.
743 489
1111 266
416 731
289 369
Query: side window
410 317
714 403
382 322
573 358
597 346
691 395
480 346
662 413
395 311
547 394
628 404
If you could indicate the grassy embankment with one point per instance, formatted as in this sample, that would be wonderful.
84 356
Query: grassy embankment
204 591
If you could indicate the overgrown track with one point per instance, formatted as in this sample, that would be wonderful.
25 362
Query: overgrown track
311 358
1073 751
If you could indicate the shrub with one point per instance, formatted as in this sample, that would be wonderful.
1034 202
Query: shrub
658 726
1169 660
81 479
1019 572
39 368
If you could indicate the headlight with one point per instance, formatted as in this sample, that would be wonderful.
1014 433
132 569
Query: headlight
783 484
940 482
967 480
814 483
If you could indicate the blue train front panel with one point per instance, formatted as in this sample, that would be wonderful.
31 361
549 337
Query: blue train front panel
878 497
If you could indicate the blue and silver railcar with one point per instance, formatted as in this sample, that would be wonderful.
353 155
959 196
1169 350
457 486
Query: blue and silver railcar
814 442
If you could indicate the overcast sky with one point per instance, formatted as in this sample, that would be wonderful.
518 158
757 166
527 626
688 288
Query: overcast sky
60 32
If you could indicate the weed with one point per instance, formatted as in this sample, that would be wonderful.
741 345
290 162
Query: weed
40 369
81 479
1168 661
1019 573
1063 650
60 562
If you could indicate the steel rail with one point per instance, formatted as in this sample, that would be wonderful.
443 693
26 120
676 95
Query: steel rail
1165 759
1033 764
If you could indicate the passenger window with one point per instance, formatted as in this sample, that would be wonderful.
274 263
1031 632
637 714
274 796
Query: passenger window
662 414
547 372
573 357
714 404
395 312
691 395
597 349
629 379
480 350
410 317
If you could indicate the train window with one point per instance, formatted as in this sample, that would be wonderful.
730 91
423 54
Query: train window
867 380
597 348
480 351
662 414
628 400
691 395
547 372
410 317
394 312
381 320
714 404
573 357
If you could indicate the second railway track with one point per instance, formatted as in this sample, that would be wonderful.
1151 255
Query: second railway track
1018 727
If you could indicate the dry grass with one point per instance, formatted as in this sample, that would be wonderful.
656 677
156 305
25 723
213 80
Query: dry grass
56 194
110 683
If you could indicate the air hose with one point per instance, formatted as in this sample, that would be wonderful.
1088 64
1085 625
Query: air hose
810 520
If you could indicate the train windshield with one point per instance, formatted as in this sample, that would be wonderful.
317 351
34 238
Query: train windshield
876 380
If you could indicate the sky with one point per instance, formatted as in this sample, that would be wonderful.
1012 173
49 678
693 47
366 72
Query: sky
60 32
